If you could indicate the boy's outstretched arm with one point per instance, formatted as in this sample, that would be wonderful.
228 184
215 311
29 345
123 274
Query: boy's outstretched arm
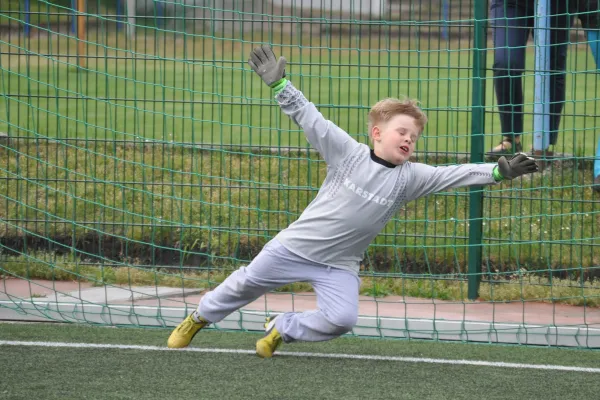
333 143
428 179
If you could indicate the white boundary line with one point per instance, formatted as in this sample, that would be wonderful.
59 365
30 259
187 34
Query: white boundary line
304 354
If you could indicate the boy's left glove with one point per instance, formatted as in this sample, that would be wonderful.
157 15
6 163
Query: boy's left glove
263 62
517 166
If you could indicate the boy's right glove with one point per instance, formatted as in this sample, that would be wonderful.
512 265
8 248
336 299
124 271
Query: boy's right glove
263 62
517 166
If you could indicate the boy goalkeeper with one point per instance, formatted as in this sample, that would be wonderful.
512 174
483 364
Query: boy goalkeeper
363 189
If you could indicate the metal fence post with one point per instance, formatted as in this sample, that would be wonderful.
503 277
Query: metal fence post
477 146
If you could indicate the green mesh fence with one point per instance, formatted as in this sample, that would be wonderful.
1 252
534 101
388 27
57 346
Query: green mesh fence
141 161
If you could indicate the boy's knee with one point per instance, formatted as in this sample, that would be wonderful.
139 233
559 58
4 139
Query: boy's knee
342 322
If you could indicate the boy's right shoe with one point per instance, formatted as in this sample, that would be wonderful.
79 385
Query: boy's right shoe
185 332
266 346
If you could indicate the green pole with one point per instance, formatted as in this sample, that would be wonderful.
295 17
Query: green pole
477 146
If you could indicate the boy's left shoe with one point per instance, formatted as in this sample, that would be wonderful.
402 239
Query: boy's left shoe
266 346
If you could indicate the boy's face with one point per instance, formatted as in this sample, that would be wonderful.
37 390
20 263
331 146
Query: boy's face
394 141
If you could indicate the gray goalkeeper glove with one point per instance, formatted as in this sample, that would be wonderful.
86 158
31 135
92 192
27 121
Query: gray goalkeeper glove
263 62
517 166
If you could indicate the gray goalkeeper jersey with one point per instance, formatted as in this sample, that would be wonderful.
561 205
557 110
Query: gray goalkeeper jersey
361 192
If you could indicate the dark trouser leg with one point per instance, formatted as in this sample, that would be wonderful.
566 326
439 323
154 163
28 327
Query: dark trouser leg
511 27
559 37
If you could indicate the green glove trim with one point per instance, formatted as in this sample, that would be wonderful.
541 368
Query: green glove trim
279 85
497 175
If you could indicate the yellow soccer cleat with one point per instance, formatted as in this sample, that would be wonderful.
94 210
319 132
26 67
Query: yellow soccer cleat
185 332
266 346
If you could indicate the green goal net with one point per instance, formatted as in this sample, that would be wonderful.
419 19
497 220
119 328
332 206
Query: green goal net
142 161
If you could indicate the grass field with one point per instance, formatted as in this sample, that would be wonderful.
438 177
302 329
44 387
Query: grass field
412 370
198 88
221 205
201 203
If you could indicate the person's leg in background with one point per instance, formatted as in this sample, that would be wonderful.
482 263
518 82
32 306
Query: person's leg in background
560 23
590 21
511 27
596 185
593 37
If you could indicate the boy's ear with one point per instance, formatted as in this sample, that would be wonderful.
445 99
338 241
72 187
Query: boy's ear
375 133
